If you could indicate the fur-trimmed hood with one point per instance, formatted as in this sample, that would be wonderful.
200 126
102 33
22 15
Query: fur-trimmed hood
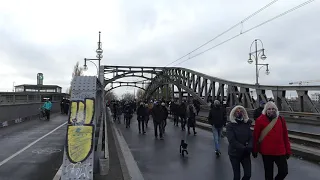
232 118
270 104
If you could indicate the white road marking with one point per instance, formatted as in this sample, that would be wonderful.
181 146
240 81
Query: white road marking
31 144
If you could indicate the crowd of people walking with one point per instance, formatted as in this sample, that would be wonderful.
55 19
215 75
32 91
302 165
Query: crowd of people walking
159 110
269 137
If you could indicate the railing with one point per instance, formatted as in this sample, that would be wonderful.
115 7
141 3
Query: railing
293 117
16 113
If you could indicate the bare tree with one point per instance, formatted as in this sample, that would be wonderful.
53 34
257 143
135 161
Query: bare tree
111 96
128 96
140 94
77 71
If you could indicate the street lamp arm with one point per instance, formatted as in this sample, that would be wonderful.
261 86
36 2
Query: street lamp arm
251 47
93 64
261 42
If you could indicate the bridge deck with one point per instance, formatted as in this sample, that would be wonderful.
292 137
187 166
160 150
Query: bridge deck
25 156
159 159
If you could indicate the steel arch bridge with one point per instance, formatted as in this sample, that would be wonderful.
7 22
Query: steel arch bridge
191 84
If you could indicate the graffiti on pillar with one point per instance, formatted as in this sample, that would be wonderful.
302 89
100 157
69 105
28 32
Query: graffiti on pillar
79 170
80 142
80 130
81 112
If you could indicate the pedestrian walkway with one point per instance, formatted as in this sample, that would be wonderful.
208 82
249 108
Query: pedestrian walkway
160 159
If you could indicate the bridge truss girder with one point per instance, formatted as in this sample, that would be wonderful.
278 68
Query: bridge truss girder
117 84
205 88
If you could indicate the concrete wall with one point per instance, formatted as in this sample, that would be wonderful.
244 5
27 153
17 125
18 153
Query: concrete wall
17 113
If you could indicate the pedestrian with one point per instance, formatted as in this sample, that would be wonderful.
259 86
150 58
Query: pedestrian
157 116
272 142
141 116
183 115
240 142
165 116
146 105
258 111
191 113
217 119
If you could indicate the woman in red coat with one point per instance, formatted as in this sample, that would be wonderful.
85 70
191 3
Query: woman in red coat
272 144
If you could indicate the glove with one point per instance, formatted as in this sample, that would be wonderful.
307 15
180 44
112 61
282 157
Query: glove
255 155
287 156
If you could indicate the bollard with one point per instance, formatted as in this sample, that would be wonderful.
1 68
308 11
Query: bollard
104 166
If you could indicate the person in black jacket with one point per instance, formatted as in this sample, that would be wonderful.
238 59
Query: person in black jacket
258 111
157 116
240 142
165 116
191 113
175 112
217 120
183 115
141 117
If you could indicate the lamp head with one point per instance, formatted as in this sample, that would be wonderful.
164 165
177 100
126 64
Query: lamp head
263 56
250 61
85 67
267 72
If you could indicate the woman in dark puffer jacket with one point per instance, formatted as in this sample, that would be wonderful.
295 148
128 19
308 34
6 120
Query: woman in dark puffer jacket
240 142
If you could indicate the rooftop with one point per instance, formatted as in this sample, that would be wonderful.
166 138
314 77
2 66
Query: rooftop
35 85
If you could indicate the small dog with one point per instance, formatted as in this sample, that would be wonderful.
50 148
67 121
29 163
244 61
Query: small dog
183 148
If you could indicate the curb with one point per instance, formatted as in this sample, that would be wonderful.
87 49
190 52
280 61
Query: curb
129 167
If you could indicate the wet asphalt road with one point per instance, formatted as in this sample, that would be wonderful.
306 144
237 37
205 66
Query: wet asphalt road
160 159
41 160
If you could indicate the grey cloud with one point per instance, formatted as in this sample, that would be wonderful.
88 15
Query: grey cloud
291 43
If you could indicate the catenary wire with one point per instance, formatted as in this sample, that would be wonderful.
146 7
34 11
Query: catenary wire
224 32
263 23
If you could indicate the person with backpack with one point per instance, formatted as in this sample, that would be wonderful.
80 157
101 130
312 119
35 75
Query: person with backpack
240 142
272 142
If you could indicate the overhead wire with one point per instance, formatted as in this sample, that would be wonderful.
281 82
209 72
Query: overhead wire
224 32
263 23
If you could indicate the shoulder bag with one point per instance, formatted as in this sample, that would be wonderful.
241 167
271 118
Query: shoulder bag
266 130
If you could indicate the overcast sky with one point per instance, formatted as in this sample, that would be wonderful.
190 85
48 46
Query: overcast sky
51 36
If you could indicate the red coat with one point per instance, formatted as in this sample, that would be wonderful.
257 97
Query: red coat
276 142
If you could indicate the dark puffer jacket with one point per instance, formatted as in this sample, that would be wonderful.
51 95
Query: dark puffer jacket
239 135
157 113
217 116
141 113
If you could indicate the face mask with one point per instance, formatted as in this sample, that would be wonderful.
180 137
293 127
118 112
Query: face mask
272 114
239 116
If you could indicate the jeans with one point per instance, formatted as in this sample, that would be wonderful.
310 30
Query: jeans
158 125
245 161
141 125
217 137
47 113
280 161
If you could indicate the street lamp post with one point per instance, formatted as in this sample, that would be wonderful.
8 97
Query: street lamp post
256 55
85 67
99 56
